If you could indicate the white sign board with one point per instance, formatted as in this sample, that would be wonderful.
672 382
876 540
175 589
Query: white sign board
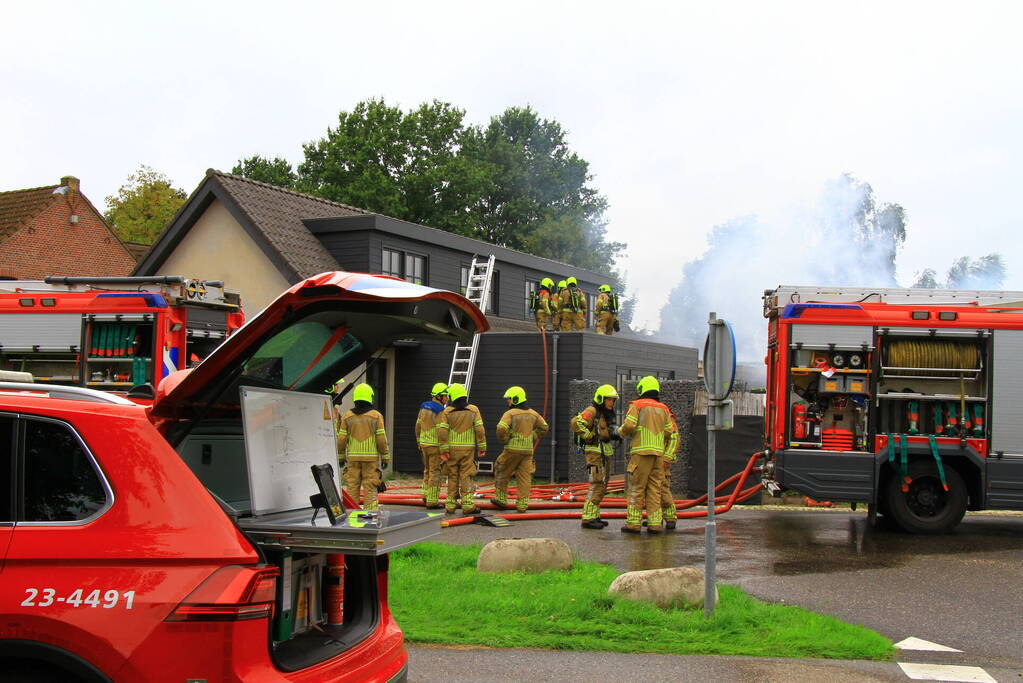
286 433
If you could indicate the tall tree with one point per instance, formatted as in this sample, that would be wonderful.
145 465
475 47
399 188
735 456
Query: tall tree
403 164
986 272
927 279
540 198
276 171
143 206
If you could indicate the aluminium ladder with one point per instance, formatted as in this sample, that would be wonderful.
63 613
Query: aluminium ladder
477 290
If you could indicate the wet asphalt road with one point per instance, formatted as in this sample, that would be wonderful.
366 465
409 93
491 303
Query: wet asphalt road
963 590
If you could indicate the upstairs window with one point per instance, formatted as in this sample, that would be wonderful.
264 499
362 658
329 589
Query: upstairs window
404 265
391 263
531 288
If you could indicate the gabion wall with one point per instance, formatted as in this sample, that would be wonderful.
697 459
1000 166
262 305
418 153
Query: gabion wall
678 395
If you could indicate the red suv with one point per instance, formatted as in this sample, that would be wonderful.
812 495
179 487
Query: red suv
129 545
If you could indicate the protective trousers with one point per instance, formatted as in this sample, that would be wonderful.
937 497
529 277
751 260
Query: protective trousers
541 320
646 477
597 466
461 468
572 321
668 508
518 465
432 469
365 475
605 322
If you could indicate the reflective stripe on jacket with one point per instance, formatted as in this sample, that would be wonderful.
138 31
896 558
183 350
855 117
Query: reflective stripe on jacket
582 425
426 423
520 429
461 428
362 437
652 429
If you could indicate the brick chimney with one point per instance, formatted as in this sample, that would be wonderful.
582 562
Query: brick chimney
71 181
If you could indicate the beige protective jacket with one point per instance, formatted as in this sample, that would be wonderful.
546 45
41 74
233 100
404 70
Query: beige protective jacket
652 429
519 430
461 428
362 437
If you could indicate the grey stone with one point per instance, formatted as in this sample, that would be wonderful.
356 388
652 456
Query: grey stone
524 554
675 587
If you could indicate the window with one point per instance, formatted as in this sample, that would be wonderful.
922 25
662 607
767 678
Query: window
591 315
410 267
6 469
415 269
531 288
391 263
299 356
61 483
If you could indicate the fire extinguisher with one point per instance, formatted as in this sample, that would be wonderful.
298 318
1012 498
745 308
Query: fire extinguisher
335 590
799 421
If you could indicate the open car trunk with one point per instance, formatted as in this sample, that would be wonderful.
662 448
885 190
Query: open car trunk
251 418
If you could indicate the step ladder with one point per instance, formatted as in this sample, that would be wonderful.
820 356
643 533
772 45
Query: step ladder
477 290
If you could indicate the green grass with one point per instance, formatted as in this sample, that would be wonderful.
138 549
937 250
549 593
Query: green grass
438 597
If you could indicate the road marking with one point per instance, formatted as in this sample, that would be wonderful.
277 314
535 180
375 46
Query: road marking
946 672
926 645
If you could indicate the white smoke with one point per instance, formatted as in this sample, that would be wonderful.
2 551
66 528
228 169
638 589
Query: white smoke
839 238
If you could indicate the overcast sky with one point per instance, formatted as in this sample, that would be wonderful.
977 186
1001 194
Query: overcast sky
689 114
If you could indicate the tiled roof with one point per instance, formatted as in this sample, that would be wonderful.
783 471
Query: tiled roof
17 207
137 249
278 214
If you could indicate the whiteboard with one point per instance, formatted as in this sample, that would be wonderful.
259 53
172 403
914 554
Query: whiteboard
286 433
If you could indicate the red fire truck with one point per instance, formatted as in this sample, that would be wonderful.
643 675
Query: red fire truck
908 400
112 333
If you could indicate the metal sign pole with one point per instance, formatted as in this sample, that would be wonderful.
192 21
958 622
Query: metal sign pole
718 376
710 530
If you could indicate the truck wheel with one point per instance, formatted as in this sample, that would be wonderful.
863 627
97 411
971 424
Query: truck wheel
927 508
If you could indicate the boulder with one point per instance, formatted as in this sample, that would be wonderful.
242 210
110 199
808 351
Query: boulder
524 554
675 587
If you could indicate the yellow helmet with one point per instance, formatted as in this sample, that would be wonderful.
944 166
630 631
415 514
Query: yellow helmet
457 391
363 392
648 383
547 282
604 391
571 281
439 389
562 284
605 288
516 394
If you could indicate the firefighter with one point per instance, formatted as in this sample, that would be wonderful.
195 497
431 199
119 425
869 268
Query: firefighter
668 510
426 438
460 435
540 303
606 310
594 430
572 302
556 306
520 429
362 441
652 430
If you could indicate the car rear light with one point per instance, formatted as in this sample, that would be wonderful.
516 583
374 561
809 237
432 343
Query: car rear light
232 593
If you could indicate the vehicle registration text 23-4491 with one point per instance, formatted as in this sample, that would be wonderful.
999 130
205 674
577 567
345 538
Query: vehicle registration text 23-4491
45 597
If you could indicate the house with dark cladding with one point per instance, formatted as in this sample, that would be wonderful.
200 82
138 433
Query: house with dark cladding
261 239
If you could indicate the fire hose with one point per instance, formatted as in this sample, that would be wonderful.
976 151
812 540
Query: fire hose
562 500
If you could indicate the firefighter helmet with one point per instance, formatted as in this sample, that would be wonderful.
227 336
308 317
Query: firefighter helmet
571 281
456 391
648 383
561 284
547 282
439 389
605 288
516 394
604 391
363 392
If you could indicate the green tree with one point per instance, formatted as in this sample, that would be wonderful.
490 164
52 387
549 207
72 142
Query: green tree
143 206
986 272
927 279
539 198
276 171
402 164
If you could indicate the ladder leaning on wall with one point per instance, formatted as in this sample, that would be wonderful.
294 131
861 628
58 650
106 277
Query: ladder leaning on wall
477 290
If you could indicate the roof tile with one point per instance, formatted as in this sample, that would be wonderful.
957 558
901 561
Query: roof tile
17 207
278 214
